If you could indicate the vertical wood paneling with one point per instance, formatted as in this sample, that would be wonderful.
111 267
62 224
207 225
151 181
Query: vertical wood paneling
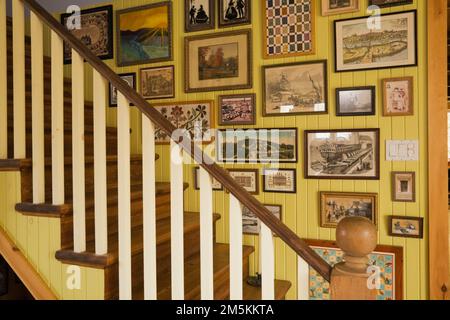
3 84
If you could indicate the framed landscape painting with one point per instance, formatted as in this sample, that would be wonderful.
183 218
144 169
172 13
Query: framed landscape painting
237 110
352 154
130 78
331 7
398 97
219 61
144 34
234 12
357 101
389 3
295 89
96 32
359 47
199 15
158 82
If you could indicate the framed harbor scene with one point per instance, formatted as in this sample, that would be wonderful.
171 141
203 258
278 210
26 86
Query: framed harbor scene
352 154
390 44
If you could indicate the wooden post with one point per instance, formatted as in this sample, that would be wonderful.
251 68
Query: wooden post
357 237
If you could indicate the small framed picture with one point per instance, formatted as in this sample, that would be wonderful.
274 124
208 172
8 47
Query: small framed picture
251 224
216 185
357 101
237 110
199 15
398 97
234 12
158 83
246 178
130 78
389 3
280 180
332 7
404 186
335 206
406 227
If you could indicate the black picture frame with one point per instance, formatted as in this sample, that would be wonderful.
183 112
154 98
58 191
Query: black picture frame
199 27
294 173
339 111
247 20
113 104
392 4
255 172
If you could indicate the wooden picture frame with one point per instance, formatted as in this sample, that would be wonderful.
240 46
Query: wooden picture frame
233 104
126 55
354 97
404 190
332 205
130 78
406 227
251 224
236 74
350 60
282 89
194 23
157 78
327 11
390 3
231 17
328 155
216 185
399 97
286 176
243 180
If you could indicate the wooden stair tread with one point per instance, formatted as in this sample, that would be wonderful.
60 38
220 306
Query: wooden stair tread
254 293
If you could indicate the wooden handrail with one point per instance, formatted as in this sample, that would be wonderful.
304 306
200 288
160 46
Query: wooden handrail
220 174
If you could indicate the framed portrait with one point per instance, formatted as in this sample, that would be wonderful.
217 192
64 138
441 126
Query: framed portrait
247 179
257 145
144 34
280 180
237 109
406 227
234 12
216 185
389 3
295 89
96 32
130 78
357 101
218 61
404 186
289 28
158 82
388 258
335 206
342 154
398 97
196 117
331 7
393 45
200 15
251 225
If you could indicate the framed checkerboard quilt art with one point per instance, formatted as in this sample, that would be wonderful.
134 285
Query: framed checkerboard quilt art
289 28
388 259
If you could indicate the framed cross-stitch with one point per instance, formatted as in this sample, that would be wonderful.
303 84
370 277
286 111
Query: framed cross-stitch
247 179
280 180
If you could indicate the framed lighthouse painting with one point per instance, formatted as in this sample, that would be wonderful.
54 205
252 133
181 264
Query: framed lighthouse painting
352 154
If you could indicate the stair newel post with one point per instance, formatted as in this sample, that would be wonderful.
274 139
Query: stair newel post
3 83
350 280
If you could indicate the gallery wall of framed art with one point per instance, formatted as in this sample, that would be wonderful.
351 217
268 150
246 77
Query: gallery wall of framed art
254 83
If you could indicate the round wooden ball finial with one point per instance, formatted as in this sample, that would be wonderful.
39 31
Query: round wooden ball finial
357 237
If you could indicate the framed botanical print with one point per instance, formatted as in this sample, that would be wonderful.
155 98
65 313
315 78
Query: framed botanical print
247 179
404 186
352 154
237 110
144 34
331 7
289 28
280 180
392 44
158 82
196 117
406 227
216 185
219 61
234 12
357 101
398 96
335 206
389 3
199 15
251 225
295 89
96 32
130 78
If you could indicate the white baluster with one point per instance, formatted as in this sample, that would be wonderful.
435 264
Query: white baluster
235 249
3 83
267 263
302 279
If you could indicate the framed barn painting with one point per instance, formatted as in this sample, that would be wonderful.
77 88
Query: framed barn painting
289 28
332 7
219 61
158 82
280 180
96 32
392 45
237 110
144 34
196 117
398 97
389 3
352 154
199 15
234 12
130 78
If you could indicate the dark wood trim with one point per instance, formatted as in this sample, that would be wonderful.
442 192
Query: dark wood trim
14 164
84 259
44 210
220 174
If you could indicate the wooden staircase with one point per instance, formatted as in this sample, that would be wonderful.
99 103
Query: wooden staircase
109 262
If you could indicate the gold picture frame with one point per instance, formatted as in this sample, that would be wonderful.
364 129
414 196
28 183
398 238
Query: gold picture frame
327 10
404 186
398 100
